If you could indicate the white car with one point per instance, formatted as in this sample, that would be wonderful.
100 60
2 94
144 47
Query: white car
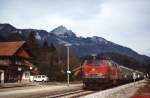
40 78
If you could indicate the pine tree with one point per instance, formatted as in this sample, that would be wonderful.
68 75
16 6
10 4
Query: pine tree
33 48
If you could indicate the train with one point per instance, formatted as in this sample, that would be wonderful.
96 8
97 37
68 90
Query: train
97 72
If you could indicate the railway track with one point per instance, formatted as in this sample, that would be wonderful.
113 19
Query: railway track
79 93
71 94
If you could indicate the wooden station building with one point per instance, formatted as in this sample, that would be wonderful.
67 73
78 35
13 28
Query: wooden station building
14 62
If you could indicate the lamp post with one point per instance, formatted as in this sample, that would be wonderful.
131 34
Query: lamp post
68 70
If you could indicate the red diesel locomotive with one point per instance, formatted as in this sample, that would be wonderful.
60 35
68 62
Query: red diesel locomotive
97 72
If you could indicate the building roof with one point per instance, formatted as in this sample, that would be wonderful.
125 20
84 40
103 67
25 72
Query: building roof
10 48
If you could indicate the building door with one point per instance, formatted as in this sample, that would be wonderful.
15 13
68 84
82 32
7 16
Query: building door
1 76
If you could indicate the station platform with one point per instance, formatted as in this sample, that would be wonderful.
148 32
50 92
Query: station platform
138 89
13 85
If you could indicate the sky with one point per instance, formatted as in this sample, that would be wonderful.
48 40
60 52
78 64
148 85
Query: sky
125 22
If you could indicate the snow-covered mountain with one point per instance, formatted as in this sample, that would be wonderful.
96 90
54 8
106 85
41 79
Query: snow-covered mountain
89 45
81 46
99 40
64 35
63 32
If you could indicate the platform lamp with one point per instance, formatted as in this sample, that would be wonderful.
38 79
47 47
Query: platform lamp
68 70
31 68
19 69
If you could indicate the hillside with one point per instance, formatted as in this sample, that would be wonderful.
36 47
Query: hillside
80 45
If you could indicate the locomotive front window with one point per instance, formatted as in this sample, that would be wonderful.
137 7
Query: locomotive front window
97 62
90 62
93 62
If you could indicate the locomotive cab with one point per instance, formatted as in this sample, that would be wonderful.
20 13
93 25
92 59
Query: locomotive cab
95 72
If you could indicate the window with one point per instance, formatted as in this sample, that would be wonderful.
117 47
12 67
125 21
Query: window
97 62
89 62
93 62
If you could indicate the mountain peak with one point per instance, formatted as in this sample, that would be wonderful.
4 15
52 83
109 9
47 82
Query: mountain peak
61 27
62 31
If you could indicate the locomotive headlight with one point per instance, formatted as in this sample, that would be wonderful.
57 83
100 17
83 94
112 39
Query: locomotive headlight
101 75
86 74
93 69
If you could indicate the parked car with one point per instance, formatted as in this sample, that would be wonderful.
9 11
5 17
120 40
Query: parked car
40 78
